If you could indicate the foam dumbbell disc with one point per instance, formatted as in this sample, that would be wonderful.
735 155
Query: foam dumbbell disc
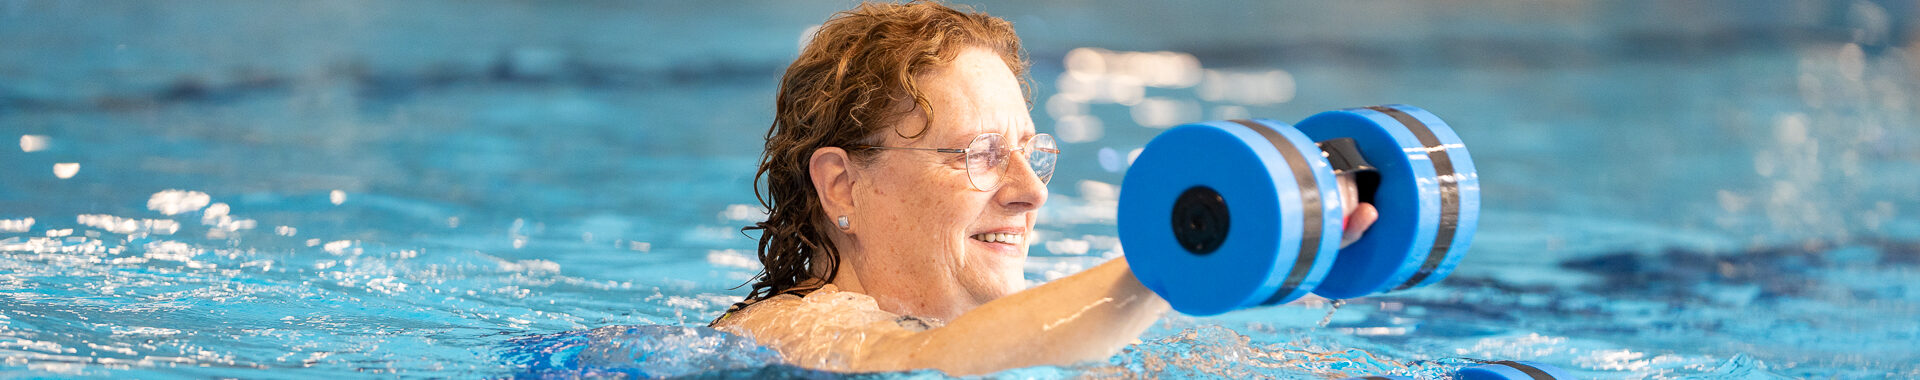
1513 370
1223 215
1428 197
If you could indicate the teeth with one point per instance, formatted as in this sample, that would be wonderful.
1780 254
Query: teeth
998 238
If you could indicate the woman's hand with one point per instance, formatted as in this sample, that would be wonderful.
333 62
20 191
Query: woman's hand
1359 217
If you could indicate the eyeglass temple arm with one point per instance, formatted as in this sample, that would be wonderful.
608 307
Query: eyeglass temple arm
941 150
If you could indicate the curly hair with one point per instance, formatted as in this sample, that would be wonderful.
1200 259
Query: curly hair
850 83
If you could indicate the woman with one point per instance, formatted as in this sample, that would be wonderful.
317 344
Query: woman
903 178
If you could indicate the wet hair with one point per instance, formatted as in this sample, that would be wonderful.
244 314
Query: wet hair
854 80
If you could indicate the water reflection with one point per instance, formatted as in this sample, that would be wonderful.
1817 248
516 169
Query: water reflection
66 170
16 225
172 202
33 143
1247 87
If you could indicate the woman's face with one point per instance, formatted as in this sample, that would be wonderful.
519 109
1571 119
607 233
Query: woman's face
918 222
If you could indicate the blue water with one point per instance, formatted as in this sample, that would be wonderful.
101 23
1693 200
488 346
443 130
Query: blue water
446 189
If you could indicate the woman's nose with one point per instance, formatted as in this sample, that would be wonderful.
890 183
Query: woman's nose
1022 191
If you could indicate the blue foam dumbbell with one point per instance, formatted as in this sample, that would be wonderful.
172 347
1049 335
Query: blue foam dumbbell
1222 215
1512 370
1497 370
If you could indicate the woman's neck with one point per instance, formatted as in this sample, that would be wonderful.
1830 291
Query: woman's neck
848 280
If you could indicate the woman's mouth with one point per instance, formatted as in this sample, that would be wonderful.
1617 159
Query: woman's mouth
1004 238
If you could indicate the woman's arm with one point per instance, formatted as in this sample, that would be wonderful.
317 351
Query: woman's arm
1083 317
1086 316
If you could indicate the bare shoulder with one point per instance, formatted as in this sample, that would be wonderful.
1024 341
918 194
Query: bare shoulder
828 329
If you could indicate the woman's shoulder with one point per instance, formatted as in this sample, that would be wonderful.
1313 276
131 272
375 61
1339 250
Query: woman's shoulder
826 306
823 329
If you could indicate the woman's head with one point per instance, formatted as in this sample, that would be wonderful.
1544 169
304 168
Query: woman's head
914 75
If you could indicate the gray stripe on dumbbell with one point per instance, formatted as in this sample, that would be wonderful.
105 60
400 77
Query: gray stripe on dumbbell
1310 202
1449 193
1535 373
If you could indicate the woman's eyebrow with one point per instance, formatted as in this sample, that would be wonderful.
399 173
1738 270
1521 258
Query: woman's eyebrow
960 141
1022 131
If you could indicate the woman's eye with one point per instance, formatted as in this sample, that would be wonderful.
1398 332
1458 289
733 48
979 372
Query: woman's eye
980 156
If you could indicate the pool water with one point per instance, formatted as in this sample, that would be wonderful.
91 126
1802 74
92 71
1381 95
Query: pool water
444 189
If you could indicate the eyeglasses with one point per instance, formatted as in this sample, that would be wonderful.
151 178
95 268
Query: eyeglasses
988 154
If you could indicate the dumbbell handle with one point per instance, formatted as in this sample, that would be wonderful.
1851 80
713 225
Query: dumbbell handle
1348 169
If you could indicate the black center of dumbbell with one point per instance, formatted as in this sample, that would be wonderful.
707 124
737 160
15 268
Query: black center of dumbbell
1200 220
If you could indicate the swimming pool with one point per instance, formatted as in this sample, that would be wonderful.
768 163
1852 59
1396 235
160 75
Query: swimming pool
440 189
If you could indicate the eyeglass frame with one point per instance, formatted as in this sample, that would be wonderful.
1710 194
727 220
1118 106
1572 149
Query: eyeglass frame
1021 147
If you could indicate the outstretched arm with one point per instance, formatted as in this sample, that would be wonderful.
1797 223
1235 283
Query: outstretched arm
1086 316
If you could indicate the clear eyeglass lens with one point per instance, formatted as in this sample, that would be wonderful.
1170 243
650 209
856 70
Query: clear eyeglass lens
984 158
1042 153
987 157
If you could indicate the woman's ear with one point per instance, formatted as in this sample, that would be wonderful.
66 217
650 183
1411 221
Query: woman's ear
833 176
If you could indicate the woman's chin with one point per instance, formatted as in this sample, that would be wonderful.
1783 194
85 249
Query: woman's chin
1000 263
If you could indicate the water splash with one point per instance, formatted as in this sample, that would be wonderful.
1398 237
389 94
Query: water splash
1332 307
651 351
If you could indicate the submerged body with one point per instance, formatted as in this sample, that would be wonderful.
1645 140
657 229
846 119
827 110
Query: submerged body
1087 316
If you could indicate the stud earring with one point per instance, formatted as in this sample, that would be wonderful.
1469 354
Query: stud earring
844 224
